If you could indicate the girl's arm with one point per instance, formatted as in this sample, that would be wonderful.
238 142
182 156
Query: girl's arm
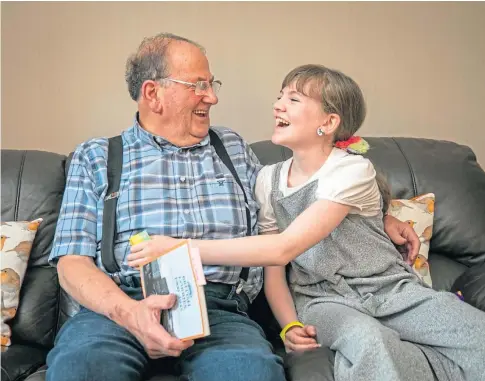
305 231
278 295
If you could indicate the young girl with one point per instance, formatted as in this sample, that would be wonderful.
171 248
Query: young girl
346 277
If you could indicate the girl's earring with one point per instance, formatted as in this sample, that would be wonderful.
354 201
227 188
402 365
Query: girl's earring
320 132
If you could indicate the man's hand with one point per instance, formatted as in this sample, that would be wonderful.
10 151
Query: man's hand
300 339
146 250
400 234
144 323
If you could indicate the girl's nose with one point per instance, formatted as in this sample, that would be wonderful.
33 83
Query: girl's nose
278 105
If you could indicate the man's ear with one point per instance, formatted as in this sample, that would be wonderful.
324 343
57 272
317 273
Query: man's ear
152 94
331 123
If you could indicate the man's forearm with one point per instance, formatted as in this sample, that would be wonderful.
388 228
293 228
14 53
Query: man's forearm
92 288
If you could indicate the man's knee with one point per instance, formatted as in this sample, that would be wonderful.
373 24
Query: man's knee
90 347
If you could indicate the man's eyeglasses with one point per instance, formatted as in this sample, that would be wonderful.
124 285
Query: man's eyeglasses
200 87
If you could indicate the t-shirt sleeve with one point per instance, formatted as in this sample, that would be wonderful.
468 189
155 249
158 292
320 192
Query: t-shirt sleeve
266 216
351 181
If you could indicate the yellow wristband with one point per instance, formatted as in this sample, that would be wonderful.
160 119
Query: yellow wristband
287 327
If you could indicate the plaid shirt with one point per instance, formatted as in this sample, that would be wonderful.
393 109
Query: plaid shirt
167 190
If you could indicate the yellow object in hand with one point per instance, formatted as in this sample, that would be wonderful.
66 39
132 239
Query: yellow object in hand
140 237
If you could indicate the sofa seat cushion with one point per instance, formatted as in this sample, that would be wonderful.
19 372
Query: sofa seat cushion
444 271
18 361
472 286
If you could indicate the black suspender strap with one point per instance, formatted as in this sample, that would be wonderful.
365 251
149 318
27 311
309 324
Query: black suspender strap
216 142
114 167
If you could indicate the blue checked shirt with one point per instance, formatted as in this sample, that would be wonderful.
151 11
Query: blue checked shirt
164 189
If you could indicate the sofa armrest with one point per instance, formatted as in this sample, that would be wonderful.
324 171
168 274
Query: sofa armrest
19 361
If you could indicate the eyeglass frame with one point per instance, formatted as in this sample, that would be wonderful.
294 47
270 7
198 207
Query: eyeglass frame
194 85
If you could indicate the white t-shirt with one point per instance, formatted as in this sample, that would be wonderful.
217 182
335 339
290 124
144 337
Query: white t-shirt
344 178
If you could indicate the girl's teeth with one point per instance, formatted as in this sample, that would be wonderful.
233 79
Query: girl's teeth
282 122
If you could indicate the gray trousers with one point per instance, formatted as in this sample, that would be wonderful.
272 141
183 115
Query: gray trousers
414 334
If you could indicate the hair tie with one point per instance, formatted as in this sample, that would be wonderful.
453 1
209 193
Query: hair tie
354 144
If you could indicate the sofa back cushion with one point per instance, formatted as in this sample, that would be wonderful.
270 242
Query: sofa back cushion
414 167
32 187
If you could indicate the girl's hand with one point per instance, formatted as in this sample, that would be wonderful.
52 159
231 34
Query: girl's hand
300 339
145 251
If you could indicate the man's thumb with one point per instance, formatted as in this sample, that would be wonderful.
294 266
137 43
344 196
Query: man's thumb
161 302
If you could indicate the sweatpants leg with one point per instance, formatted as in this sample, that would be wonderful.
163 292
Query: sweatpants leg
452 332
365 349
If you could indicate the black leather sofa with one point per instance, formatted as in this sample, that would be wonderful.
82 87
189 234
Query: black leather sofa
33 184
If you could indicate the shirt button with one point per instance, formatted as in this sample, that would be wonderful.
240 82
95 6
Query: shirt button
186 211
182 179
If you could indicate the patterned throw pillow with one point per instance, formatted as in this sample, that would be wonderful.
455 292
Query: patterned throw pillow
419 213
16 244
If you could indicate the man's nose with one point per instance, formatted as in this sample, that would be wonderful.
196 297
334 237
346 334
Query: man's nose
211 97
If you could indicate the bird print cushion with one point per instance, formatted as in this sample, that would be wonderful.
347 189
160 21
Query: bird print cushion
419 213
16 244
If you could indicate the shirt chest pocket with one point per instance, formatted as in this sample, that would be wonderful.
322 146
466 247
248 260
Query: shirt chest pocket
221 204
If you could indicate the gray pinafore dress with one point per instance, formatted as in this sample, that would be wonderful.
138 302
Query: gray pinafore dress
356 264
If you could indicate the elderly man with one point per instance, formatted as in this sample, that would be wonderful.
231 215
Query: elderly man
172 183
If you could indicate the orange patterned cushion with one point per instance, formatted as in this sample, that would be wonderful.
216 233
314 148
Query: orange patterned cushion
16 244
419 213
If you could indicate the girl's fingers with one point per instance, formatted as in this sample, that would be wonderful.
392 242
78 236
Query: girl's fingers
303 348
302 340
290 346
310 330
300 336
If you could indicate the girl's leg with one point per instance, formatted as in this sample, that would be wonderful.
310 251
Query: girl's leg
365 349
451 332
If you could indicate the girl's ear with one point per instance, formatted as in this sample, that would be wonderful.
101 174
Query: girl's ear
331 123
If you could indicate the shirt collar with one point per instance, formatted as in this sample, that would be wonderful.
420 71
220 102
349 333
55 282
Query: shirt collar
143 134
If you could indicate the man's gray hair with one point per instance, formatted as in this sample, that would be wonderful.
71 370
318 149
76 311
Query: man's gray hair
150 61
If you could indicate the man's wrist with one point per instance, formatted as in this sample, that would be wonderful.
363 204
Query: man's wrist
122 312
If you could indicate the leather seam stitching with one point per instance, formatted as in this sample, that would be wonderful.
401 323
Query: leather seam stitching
19 184
413 177
6 373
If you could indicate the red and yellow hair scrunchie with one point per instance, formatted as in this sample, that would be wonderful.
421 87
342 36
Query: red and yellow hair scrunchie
354 144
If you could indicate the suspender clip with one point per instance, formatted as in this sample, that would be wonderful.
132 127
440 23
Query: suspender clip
240 286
